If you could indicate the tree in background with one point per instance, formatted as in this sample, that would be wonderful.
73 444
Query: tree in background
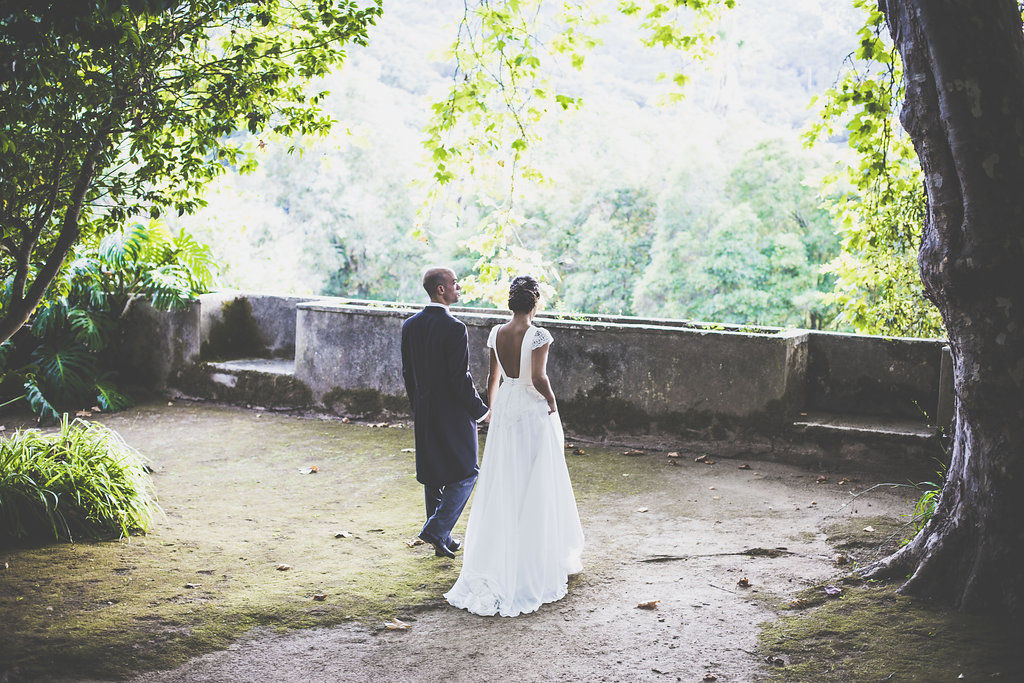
109 110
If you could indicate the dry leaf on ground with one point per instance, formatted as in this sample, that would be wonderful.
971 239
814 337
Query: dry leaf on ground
414 542
283 567
343 534
312 469
701 458
83 413
869 529
743 467
193 585
833 590
822 479
633 452
579 451
650 604
743 583
397 625
710 677
674 454
319 597
641 509
408 450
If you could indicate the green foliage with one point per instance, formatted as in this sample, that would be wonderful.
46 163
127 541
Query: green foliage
881 207
80 482
502 88
66 368
112 111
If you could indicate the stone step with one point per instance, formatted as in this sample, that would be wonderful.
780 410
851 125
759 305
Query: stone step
266 382
898 429
272 366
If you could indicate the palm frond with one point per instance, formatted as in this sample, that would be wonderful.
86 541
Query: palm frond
122 247
109 399
50 318
167 287
38 402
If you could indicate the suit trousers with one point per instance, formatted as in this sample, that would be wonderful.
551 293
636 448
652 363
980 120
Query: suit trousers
444 505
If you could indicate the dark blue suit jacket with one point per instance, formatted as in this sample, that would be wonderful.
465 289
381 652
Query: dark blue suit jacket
445 404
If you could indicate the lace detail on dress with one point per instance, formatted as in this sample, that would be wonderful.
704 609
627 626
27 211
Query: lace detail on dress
540 338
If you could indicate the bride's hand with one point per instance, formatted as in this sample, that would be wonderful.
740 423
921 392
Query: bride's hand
552 408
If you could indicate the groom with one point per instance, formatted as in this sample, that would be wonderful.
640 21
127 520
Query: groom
445 406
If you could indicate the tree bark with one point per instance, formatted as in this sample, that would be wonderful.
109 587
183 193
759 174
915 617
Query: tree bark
964 110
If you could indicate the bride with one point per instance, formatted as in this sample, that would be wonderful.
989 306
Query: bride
524 536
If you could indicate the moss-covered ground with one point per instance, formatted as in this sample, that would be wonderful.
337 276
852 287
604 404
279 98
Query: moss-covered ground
870 632
235 507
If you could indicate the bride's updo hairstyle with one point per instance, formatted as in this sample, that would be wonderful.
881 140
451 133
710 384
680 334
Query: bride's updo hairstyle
523 294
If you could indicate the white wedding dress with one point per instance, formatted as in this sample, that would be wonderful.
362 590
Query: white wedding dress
524 536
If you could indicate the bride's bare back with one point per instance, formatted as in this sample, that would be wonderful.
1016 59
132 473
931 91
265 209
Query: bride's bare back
509 345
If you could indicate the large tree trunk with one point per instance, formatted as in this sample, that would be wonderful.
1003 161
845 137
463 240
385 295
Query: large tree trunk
964 110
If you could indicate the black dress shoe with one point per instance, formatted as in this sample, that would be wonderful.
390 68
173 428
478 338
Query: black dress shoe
440 549
454 545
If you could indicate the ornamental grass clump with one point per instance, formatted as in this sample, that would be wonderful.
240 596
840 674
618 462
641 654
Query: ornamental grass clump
83 481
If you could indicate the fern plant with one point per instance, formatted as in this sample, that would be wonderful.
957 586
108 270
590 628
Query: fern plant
81 316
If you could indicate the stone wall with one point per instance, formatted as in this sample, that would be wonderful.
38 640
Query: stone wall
615 372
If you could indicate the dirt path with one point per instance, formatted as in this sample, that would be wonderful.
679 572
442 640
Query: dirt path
633 509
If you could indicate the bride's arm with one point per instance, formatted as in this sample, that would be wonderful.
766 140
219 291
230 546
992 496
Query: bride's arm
493 379
540 376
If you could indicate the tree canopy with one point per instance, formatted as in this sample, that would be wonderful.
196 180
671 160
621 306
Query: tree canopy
109 110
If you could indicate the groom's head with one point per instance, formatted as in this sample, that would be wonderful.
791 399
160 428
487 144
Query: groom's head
442 286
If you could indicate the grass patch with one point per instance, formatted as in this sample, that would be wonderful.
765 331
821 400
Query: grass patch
81 482
870 633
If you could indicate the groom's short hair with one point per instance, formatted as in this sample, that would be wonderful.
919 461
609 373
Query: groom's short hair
434 278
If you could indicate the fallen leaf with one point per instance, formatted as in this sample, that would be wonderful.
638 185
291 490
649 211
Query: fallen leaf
96 409
711 488
3 428
579 451
701 458
283 567
843 482
814 502
674 454
673 462
775 661
312 469
641 509
633 452
319 597
832 590
343 534
651 604
345 420
710 677
708 461
569 446
414 542
193 585
408 450
842 559
83 413
743 467
798 603
743 583
170 403
716 498
822 478
397 625
869 529
7 566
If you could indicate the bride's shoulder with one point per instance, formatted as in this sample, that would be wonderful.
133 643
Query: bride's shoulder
540 338
493 335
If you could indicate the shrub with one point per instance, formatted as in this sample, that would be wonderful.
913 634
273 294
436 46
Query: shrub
80 482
